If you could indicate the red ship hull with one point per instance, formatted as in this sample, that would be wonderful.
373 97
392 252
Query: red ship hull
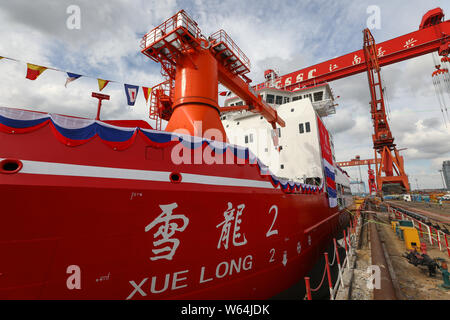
82 223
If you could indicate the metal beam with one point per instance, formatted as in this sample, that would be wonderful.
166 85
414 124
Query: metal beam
405 47
354 162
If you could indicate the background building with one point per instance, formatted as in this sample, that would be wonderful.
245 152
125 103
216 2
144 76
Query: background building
446 173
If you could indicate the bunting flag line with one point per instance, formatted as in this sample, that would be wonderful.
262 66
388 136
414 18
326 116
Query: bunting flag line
71 77
131 91
34 71
147 92
74 132
102 83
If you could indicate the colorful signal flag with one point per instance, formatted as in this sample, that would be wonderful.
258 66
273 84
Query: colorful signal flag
102 83
34 71
71 77
147 92
131 91
225 93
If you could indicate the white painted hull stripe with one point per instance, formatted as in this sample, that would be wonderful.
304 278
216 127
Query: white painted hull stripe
64 169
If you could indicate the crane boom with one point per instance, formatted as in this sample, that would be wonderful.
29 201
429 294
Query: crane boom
357 162
371 174
429 39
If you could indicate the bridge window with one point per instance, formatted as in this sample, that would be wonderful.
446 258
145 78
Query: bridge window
246 139
279 132
285 99
270 98
296 98
240 103
318 96
307 127
278 100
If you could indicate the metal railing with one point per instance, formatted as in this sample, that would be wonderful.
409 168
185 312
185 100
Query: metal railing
222 36
433 235
179 20
349 239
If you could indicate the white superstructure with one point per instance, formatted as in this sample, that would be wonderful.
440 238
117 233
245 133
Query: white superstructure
298 155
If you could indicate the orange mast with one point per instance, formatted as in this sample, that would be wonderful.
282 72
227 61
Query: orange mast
193 67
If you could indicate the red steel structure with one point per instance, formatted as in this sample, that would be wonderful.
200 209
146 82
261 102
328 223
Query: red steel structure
433 35
358 162
371 182
391 164
193 66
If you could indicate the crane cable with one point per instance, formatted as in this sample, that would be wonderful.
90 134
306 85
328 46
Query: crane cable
446 62
439 89
386 101
445 86
439 97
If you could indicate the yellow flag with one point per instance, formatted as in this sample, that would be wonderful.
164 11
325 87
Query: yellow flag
147 92
34 71
102 83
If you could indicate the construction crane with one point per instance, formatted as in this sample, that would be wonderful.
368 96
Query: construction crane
433 36
358 162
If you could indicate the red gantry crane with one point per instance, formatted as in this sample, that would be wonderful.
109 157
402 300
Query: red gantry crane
358 162
433 36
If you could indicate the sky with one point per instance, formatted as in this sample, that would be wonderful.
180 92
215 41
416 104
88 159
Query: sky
282 35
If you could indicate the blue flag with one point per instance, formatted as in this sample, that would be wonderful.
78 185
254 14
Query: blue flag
71 77
131 91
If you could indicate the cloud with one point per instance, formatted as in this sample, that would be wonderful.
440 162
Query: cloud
341 122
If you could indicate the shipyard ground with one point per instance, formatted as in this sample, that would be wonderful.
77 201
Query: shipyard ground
413 282
409 282
432 209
